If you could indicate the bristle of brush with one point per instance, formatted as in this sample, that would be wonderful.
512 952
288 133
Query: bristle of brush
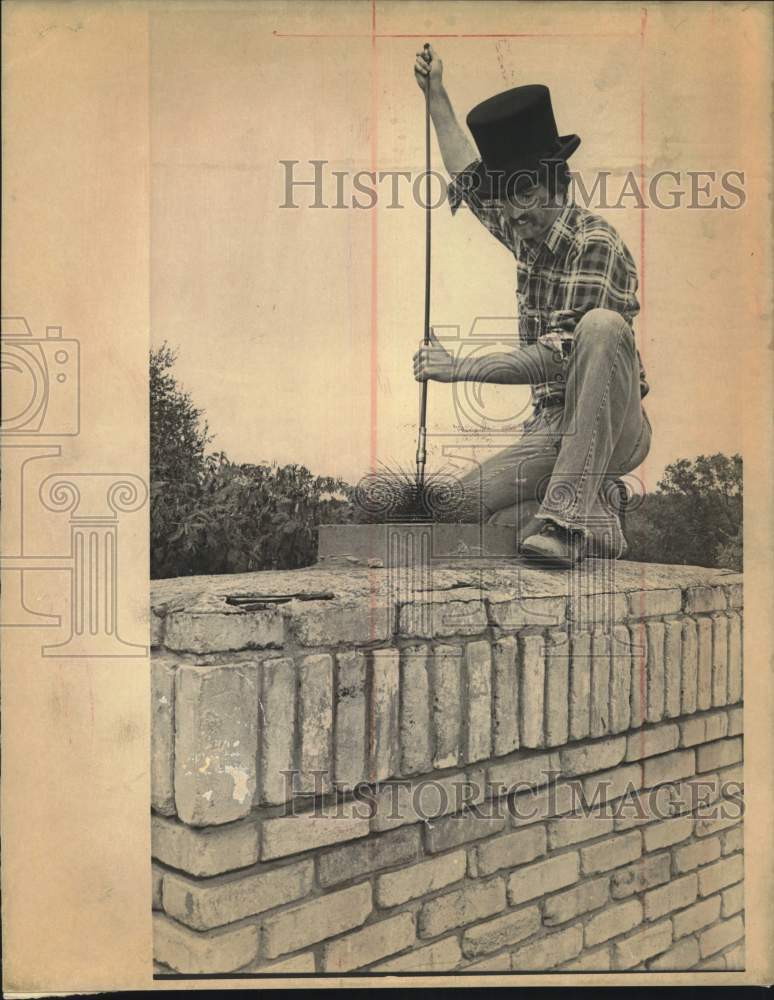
393 495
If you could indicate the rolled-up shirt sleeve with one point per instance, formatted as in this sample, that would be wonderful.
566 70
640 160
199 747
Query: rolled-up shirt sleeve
461 186
464 187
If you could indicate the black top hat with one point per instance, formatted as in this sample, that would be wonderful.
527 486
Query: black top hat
517 137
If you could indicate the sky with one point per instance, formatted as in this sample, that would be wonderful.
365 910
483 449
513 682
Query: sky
295 327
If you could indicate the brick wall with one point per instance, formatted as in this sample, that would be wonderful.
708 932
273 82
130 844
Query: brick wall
508 770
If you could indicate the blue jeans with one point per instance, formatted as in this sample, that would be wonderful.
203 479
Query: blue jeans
570 453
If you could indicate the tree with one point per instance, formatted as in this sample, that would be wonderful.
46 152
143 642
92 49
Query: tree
716 474
693 517
178 437
212 515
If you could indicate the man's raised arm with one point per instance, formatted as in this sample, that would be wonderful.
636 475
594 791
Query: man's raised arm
456 149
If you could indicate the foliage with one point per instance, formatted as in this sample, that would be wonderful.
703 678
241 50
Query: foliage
178 438
211 515
694 517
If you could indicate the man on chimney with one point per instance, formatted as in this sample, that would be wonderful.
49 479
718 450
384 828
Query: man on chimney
576 285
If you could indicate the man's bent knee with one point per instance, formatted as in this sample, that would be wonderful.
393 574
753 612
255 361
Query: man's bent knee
602 327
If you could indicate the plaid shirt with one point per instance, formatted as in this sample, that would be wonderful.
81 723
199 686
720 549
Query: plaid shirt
581 264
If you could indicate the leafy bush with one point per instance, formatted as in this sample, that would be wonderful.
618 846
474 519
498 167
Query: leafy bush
240 518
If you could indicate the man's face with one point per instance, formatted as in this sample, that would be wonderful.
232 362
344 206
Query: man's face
531 212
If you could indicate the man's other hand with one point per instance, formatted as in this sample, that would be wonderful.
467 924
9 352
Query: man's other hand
428 69
433 362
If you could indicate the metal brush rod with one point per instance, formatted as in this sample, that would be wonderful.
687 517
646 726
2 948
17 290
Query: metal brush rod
422 437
